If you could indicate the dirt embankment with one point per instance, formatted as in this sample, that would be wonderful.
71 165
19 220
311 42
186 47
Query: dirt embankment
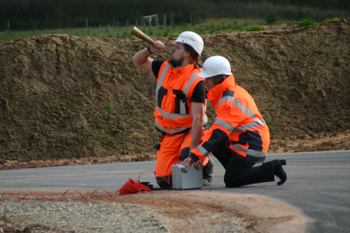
82 100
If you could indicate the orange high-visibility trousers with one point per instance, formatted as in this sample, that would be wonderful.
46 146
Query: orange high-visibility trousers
169 154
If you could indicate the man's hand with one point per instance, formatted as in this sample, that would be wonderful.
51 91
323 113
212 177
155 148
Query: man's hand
142 58
157 47
189 161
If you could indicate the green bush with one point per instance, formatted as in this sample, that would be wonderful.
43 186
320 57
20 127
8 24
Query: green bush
320 51
309 21
330 20
255 28
108 106
271 17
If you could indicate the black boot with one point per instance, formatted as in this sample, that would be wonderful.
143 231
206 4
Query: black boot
208 173
279 171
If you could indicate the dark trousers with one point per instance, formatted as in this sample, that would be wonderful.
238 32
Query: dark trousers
240 170
164 182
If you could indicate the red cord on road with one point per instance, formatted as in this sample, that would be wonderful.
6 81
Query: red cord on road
130 187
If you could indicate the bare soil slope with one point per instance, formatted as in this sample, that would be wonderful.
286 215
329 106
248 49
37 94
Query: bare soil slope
83 101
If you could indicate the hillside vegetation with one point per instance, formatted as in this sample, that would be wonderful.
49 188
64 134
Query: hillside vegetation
67 97
49 14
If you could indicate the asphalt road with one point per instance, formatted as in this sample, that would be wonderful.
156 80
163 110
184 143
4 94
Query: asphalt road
318 184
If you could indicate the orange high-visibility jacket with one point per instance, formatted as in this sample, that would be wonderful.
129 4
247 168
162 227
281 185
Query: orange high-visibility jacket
174 90
237 118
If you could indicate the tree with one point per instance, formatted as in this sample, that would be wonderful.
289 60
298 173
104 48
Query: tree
271 17
303 15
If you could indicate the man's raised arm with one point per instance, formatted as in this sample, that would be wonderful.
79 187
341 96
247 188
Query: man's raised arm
142 58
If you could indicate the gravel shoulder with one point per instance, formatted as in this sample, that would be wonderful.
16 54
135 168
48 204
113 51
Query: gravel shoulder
157 211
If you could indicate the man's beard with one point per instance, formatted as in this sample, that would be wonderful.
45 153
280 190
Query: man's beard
175 63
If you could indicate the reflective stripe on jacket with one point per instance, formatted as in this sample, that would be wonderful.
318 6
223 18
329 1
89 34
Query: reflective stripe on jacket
174 90
238 119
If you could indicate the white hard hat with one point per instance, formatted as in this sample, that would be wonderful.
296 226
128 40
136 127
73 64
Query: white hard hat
192 39
214 66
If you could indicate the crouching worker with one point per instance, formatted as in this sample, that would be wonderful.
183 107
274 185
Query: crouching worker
239 137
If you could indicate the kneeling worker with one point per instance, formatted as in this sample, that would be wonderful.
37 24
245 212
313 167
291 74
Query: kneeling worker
239 137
